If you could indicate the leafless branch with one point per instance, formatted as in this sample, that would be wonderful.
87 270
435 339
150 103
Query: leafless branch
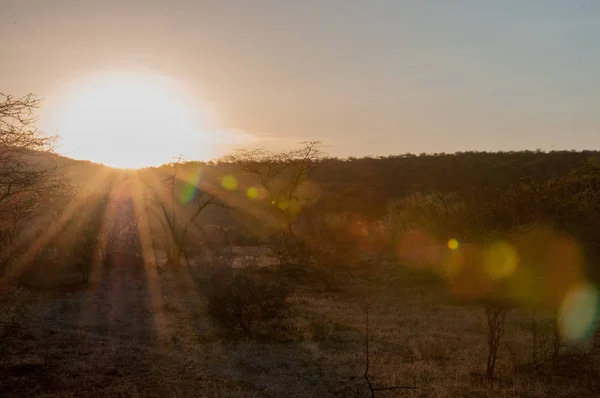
372 389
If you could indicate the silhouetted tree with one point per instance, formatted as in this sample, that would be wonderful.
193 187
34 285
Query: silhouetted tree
28 177
284 177
175 215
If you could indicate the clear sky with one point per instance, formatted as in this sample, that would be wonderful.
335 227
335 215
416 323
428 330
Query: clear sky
367 77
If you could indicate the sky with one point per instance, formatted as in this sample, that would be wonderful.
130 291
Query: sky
366 77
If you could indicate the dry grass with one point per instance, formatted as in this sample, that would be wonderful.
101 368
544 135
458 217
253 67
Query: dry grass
120 336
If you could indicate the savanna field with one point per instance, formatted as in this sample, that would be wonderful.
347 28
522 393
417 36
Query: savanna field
291 198
296 274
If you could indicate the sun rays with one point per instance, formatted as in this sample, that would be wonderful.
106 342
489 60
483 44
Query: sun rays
124 199
150 263
537 265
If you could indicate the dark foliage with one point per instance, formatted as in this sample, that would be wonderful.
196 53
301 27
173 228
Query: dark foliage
244 302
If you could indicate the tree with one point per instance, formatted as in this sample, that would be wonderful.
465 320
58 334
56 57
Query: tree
286 190
495 314
174 218
440 215
244 302
28 177
283 177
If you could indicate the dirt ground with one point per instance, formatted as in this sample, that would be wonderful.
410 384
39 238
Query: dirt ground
135 331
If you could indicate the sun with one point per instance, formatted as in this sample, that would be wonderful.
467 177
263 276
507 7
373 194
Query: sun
132 120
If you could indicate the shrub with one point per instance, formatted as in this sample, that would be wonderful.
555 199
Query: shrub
15 304
289 250
317 258
495 313
244 302
52 273
552 355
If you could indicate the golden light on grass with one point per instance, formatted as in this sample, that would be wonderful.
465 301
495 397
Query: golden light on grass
145 236
131 120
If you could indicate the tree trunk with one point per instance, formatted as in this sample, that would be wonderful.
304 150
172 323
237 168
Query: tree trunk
496 316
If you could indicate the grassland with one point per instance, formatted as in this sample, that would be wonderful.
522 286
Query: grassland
136 331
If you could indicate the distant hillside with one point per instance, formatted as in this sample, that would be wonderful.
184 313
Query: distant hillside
371 182
368 184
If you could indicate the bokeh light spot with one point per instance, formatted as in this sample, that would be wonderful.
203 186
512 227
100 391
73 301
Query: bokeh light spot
453 244
416 248
501 260
579 313
190 187
229 182
252 193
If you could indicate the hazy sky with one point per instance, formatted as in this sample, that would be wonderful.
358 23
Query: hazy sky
366 77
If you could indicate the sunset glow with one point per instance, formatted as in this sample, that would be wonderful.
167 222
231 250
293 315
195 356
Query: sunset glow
132 120
299 199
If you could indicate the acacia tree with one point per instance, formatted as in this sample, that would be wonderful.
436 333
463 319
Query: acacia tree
28 178
174 218
282 176
440 215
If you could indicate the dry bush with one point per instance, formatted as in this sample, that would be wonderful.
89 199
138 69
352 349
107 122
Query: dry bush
311 259
15 303
551 355
495 313
431 348
290 250
48 273
244 302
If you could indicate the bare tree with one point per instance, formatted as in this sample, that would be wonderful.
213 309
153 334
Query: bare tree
28 177
281 176
173 219
284 180
495 313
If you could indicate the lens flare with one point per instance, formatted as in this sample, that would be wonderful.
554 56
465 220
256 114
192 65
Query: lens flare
252 193
416 248
501 260
579 313
565 268
453 244
190 188
229 182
